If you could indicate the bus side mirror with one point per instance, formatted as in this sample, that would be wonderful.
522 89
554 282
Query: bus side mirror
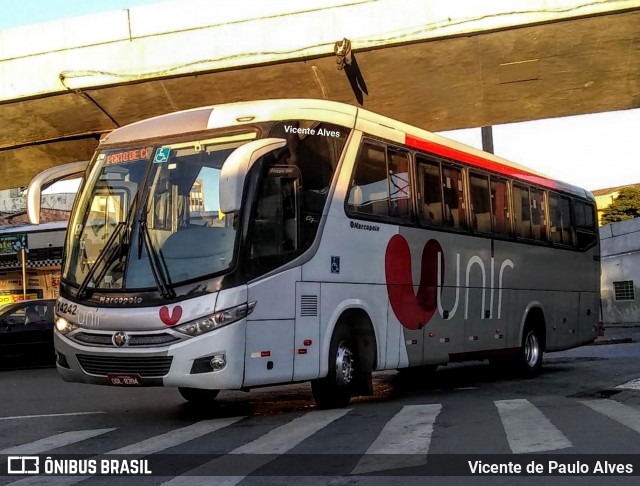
43 180
237 166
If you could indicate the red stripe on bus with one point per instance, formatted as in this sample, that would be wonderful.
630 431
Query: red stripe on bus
477 161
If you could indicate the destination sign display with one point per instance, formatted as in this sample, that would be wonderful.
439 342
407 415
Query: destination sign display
128 155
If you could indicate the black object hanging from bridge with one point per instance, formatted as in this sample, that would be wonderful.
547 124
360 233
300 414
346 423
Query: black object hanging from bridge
346 60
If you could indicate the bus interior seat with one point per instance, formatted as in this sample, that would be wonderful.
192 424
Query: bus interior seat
204 241
434 212
455 218
483 222
523 228
355 198
536 231
269 235
379 203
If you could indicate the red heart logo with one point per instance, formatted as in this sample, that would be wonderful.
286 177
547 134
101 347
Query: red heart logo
411 309
172 319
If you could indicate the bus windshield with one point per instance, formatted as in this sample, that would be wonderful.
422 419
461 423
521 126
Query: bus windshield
148 217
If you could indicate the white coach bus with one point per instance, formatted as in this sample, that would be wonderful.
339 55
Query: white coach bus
279 241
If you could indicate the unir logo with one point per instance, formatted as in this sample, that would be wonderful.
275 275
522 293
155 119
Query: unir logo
415 310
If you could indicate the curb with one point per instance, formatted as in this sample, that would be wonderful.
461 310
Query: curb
606 340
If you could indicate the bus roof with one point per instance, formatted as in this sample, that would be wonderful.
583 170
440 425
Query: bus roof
247 113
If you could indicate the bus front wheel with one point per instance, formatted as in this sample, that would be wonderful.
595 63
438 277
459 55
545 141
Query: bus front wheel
197 395
334 390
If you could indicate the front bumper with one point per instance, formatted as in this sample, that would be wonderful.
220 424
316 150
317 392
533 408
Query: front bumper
171 365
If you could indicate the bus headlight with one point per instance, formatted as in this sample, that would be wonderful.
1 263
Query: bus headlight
216 320
63 326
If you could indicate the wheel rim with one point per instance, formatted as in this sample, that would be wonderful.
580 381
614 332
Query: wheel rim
344 364
531 349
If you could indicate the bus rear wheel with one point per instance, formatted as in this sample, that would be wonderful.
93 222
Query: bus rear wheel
198 395
334 390
529 360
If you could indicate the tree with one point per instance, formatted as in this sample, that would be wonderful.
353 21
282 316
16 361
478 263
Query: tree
625 206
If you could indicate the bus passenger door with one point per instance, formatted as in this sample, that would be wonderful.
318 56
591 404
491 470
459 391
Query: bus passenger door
270 329
274 239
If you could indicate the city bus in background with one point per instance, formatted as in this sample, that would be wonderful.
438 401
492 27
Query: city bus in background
40 277
279 241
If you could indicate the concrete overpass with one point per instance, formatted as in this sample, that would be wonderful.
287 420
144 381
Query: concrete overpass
438 64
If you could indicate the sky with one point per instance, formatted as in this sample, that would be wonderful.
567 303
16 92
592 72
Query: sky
592 151
14 13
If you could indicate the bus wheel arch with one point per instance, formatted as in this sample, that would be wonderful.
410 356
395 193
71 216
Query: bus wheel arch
352 357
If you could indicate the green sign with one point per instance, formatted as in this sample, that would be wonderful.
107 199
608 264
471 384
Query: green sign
13 243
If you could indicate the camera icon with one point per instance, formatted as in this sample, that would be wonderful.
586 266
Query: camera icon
23 465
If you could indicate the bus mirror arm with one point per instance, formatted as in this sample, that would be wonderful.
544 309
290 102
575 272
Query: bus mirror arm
237 166
43 180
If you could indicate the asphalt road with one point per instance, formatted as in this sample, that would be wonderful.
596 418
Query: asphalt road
408 429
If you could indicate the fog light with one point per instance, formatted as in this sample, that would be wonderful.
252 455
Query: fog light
62 361
218 362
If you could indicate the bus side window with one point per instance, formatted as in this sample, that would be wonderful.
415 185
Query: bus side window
538 222
369 191
452 190
317 158
586 233
566 220
399 187
480 203
276 216
521 211
561 221
430 197
499 206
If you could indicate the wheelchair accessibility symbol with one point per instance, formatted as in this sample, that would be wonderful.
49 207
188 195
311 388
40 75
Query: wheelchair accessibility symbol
335 264
162 155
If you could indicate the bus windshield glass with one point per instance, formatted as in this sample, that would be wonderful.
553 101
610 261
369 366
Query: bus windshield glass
148 217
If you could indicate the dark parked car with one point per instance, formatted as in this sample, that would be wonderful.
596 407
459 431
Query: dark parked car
26 332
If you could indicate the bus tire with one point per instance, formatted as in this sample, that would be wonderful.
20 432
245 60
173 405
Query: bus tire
198 395
334 390
529 359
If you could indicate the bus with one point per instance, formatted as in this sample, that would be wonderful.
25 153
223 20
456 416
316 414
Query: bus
258 243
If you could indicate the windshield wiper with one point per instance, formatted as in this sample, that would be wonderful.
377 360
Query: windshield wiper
156 258
108 248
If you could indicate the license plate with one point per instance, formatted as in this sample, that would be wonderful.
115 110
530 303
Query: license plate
125 380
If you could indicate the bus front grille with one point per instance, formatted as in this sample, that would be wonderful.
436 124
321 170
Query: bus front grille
147 366
92 339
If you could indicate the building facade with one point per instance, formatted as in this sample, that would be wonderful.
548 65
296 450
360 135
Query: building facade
620 279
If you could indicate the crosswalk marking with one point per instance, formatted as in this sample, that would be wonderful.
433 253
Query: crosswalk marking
54 442
617 411
176 437
407 436
404 441
276 442
149 446
47 415
528 430
631 385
